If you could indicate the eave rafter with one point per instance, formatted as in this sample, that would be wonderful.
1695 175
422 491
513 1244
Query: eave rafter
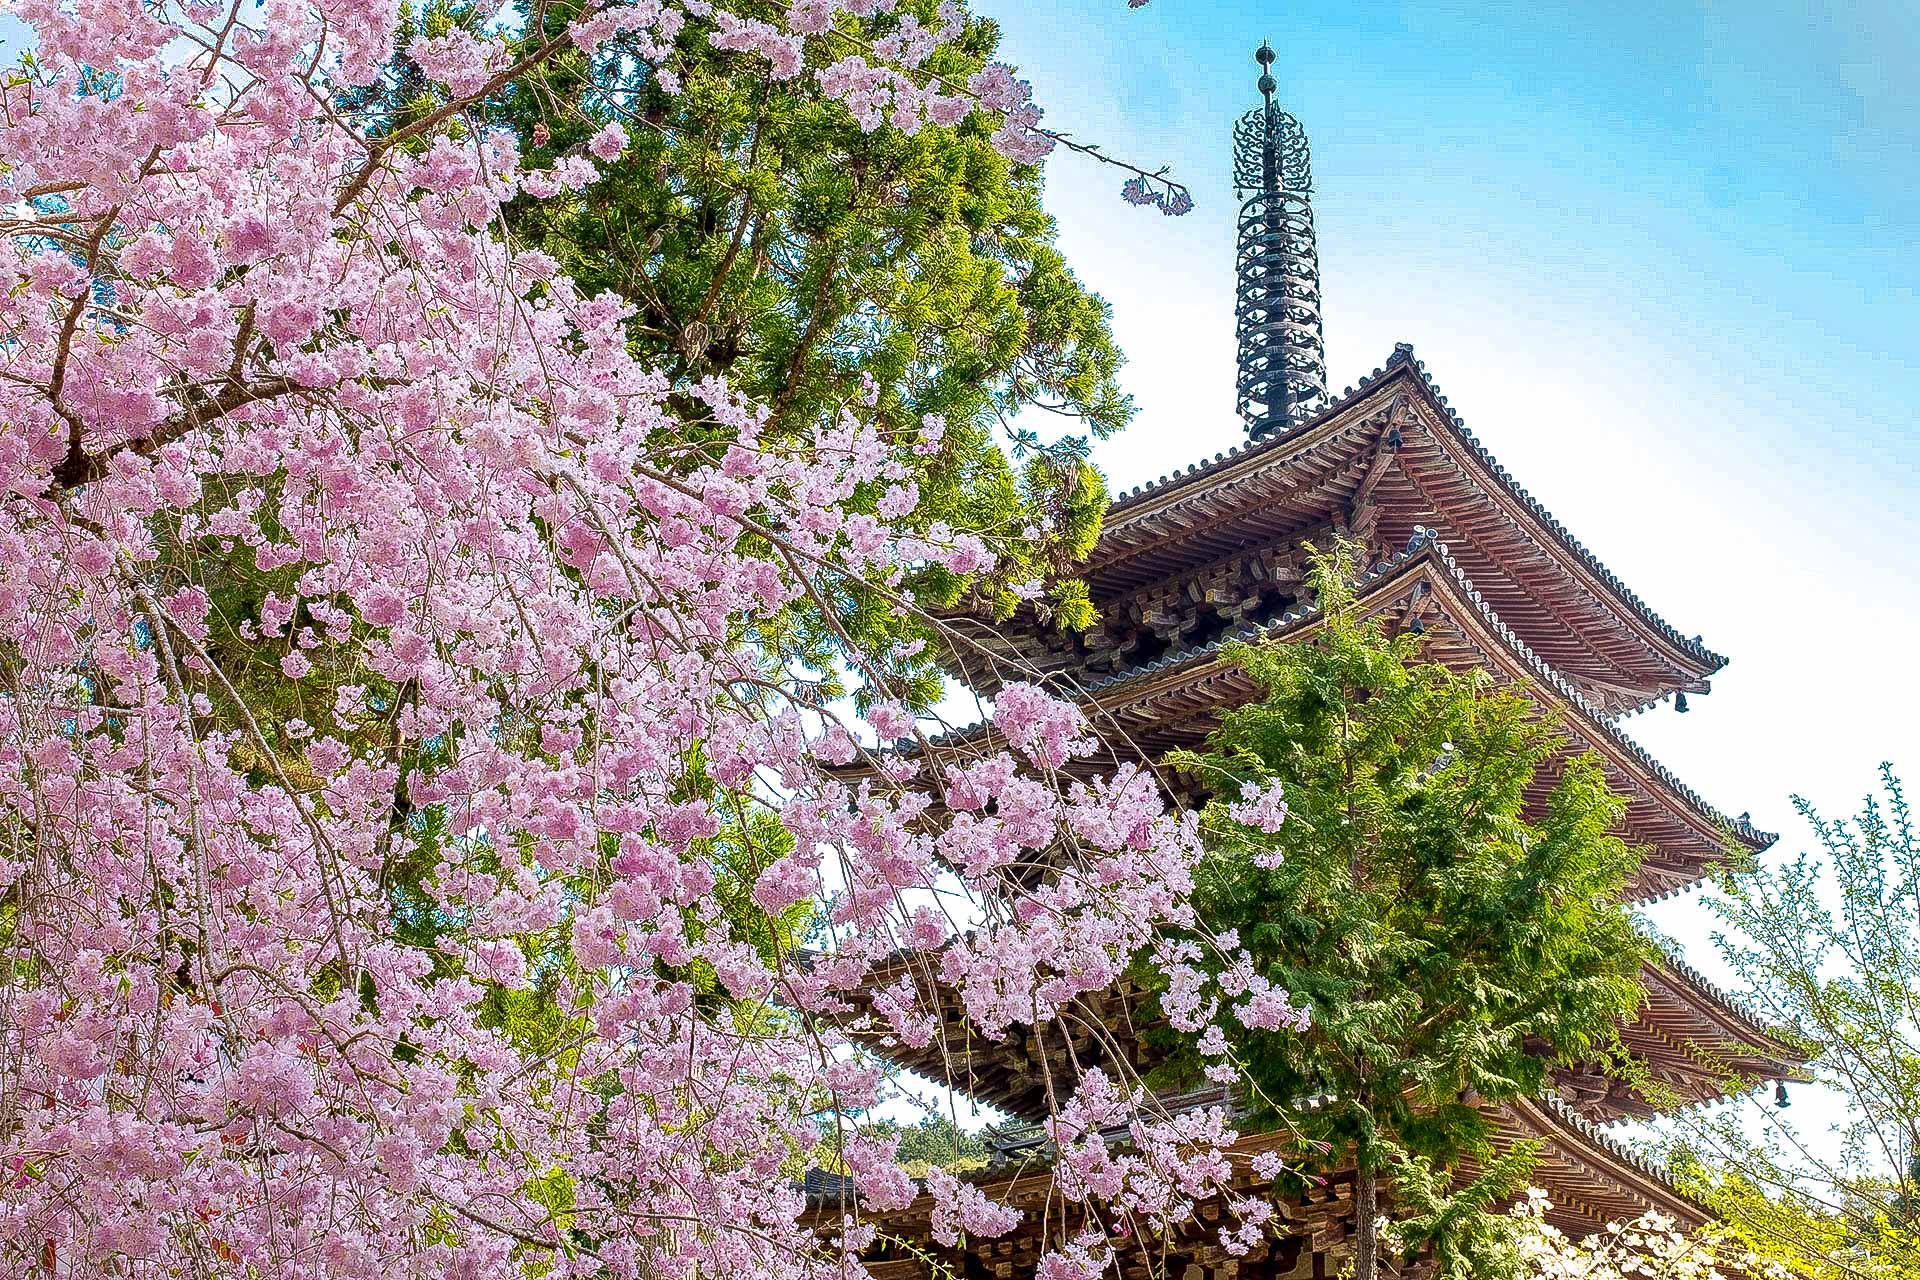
1363 512
1693 1041
1597 1179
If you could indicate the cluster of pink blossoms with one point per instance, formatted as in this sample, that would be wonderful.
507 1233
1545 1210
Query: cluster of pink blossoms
1172 201
1262 807
256 359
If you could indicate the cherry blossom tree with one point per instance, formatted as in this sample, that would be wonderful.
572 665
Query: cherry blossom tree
382 720
1651 1246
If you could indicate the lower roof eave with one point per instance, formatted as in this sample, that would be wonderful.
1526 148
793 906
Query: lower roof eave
1378 589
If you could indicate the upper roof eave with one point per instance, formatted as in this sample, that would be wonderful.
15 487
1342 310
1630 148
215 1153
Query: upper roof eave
1759 1031
1402 365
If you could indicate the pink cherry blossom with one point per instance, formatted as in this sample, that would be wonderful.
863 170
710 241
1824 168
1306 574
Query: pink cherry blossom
609 142
389 735
958 1207
1262 807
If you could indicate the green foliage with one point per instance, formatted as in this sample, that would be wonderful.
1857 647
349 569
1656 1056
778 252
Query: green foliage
1811 1229
762 235
1449 946
1827 947
936 1141
1466 1227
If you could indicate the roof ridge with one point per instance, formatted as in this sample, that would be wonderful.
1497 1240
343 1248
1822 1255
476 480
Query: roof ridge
1691 645
1264 443
1564 1112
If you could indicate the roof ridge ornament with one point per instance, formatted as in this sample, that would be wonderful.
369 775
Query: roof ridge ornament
1282 375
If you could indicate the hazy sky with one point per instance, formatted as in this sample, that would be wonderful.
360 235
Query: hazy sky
1661 257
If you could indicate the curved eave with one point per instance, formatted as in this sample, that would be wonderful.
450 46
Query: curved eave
1683 650
1695 1043
1770 1048
1593 1178
1174 701
1560 594
1688 836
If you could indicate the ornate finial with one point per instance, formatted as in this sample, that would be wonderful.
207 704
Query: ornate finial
1283 365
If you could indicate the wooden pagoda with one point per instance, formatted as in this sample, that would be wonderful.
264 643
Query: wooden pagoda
1467 559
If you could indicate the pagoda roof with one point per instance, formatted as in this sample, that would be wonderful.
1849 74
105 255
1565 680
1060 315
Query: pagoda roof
1591 1179
1175 701
1694 1042
1690 1037
1386 456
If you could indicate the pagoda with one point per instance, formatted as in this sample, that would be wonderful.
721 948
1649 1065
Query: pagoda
1462 556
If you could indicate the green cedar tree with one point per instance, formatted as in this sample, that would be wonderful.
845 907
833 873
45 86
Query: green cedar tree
1451 941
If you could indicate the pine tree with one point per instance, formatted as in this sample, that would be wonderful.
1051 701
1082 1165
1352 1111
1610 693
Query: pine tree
1449 942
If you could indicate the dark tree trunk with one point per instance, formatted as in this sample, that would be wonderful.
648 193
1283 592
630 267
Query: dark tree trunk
1366 1209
